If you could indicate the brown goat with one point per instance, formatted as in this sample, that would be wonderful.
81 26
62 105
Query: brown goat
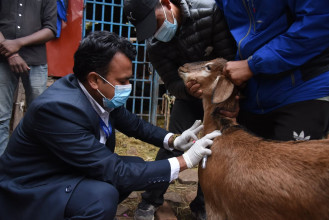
248 177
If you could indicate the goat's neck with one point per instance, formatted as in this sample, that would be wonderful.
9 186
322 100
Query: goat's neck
208 121
212 119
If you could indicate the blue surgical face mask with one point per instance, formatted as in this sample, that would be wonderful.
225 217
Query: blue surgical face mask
121 94
167 30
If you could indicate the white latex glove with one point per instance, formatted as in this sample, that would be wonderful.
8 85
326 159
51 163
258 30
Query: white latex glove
183 142
199 149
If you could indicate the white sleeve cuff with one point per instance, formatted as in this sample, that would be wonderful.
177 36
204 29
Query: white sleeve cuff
165 142
174 165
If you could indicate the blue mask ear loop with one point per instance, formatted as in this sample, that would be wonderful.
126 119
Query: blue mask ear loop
101 94
107 129
165 13
106 80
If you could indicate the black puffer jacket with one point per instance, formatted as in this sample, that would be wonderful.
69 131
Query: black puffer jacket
203 35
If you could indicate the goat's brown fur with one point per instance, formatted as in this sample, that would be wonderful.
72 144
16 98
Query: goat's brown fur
248 177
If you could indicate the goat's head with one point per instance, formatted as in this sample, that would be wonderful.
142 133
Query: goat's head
218 92
213 83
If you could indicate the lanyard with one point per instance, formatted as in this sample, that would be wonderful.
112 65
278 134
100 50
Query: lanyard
107 129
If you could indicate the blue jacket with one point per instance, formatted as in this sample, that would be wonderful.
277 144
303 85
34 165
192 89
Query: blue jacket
277 38
57 144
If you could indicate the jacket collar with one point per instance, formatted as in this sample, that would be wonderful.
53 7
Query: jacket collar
185 11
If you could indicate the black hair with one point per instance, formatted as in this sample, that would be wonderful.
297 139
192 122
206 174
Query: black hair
96 51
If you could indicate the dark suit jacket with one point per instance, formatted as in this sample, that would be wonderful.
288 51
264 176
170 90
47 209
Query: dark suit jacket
57 144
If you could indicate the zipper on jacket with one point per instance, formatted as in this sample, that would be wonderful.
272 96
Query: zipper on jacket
252 11
251 21
253 6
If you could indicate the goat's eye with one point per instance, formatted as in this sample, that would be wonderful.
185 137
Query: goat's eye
208 67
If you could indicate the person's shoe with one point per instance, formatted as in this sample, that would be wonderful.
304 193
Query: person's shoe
200 215
145 211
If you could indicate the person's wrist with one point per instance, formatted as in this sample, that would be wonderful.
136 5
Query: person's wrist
187 160
13 55
172 140
20 42
182 163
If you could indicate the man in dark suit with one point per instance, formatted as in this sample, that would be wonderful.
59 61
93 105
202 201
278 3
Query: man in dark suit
60 161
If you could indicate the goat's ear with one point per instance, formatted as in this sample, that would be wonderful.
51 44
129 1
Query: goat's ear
223 90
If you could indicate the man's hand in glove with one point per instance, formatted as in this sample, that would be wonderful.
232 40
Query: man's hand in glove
199 149
185 140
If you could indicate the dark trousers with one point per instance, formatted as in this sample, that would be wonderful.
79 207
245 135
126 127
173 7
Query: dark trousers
92 199
96 200
308 117
183 115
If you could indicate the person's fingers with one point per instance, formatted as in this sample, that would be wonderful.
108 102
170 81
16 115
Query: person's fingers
207 152
188 145
20 68
195 88
208 142
193 136
198 129
190 83
213 134
226 71
196 124
198 93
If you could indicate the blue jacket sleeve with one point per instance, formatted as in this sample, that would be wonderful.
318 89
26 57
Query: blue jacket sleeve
304 39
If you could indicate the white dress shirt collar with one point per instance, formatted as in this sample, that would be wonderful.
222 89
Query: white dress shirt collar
103 114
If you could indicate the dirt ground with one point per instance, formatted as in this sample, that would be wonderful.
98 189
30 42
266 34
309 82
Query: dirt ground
134 147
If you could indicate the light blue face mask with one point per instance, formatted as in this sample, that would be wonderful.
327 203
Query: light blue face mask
167 30
121 94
